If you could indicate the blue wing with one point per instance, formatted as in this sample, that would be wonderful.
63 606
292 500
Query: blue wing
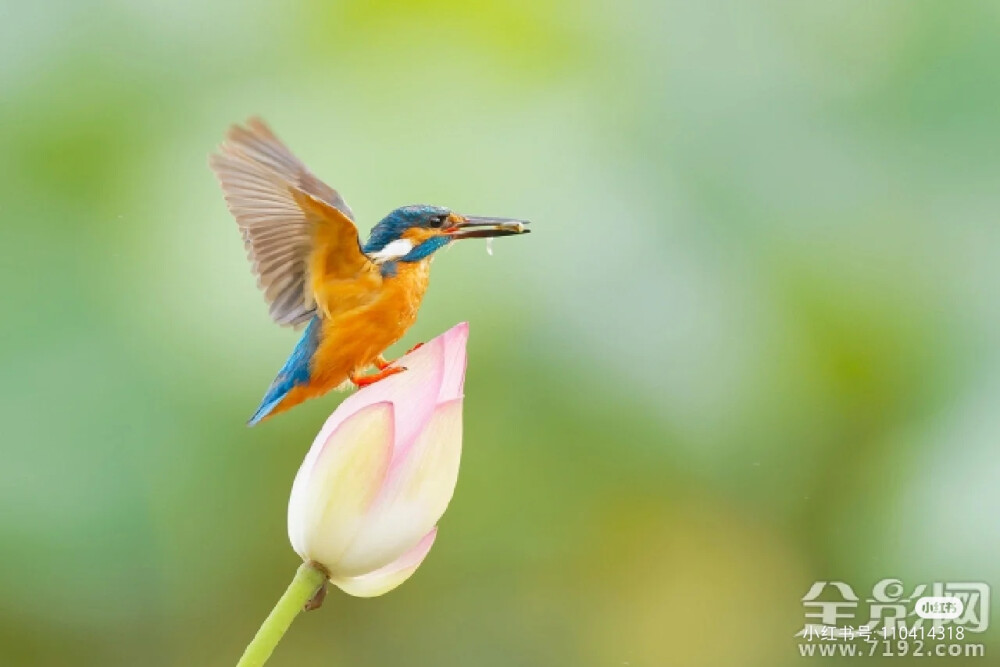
294 372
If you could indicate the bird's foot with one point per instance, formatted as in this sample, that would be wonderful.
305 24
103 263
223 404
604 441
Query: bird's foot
382 363
365 380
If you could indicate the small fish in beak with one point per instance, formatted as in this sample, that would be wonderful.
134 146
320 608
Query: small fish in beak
471 227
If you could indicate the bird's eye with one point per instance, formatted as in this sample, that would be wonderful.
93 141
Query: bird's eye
438 220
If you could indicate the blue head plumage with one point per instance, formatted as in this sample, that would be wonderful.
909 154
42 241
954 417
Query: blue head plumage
393 225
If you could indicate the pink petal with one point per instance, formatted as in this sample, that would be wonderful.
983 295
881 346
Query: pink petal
386 578
449 350
453 380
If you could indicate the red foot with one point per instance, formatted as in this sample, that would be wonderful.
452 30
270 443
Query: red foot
366 380
414 348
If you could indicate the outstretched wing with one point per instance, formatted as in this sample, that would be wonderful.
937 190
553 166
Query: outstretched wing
281 209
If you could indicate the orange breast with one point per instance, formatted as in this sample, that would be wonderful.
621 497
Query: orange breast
354 336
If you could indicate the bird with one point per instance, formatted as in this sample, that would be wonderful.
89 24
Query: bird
355 299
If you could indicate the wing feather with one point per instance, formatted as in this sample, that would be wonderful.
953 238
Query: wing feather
264 185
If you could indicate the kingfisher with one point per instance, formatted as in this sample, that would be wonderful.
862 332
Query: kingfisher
354 299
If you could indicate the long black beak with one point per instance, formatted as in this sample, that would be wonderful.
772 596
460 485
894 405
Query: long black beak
471 227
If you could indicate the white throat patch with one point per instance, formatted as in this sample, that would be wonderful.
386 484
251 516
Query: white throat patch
395 250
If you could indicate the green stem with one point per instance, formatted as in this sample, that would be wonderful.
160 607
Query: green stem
307 581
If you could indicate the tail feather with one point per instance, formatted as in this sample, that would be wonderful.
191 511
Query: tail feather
294 373
265 409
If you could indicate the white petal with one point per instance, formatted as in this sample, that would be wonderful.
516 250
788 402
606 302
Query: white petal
415 494
337 483
389 577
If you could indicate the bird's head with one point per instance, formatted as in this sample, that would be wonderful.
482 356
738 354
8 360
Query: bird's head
413 233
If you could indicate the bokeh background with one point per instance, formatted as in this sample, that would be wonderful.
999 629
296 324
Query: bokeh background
752 343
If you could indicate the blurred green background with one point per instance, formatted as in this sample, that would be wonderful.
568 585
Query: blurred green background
750 345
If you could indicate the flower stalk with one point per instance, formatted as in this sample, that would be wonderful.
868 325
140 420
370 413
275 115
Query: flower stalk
308 580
